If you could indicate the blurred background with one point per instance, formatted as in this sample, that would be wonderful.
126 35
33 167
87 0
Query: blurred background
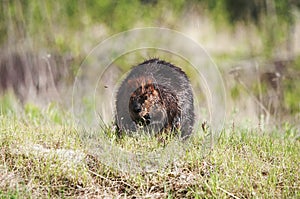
254 43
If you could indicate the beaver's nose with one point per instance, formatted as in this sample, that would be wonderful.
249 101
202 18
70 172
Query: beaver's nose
137 107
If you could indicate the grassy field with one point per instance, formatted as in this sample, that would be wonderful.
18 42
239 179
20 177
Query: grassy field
42 156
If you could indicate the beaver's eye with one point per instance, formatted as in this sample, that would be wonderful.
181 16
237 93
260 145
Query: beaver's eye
145 97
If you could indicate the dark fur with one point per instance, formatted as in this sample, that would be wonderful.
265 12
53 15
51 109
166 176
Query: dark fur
158 95
153 102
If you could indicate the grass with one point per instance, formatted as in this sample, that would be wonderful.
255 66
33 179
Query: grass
42 156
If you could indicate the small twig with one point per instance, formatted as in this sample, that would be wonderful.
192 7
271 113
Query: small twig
104 178
230 194
254 98
209 188
98 175
52 81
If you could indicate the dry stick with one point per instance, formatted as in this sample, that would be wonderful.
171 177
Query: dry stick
260 97
230 194
255 99
104 178
209 188
259 88
98 175
52 82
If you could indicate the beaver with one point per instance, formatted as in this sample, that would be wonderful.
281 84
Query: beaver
156 96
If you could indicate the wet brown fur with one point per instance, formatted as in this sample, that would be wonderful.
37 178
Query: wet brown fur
150 99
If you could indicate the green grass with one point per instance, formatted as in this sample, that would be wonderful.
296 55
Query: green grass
42 155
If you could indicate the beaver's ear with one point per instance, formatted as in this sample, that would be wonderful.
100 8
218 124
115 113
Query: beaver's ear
155 86
154 90
152 87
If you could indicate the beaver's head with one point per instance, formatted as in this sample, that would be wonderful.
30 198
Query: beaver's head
146 106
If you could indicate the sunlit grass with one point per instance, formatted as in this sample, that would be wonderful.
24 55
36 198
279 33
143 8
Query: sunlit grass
44 156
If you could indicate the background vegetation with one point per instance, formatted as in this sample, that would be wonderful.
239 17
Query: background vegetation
257 154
